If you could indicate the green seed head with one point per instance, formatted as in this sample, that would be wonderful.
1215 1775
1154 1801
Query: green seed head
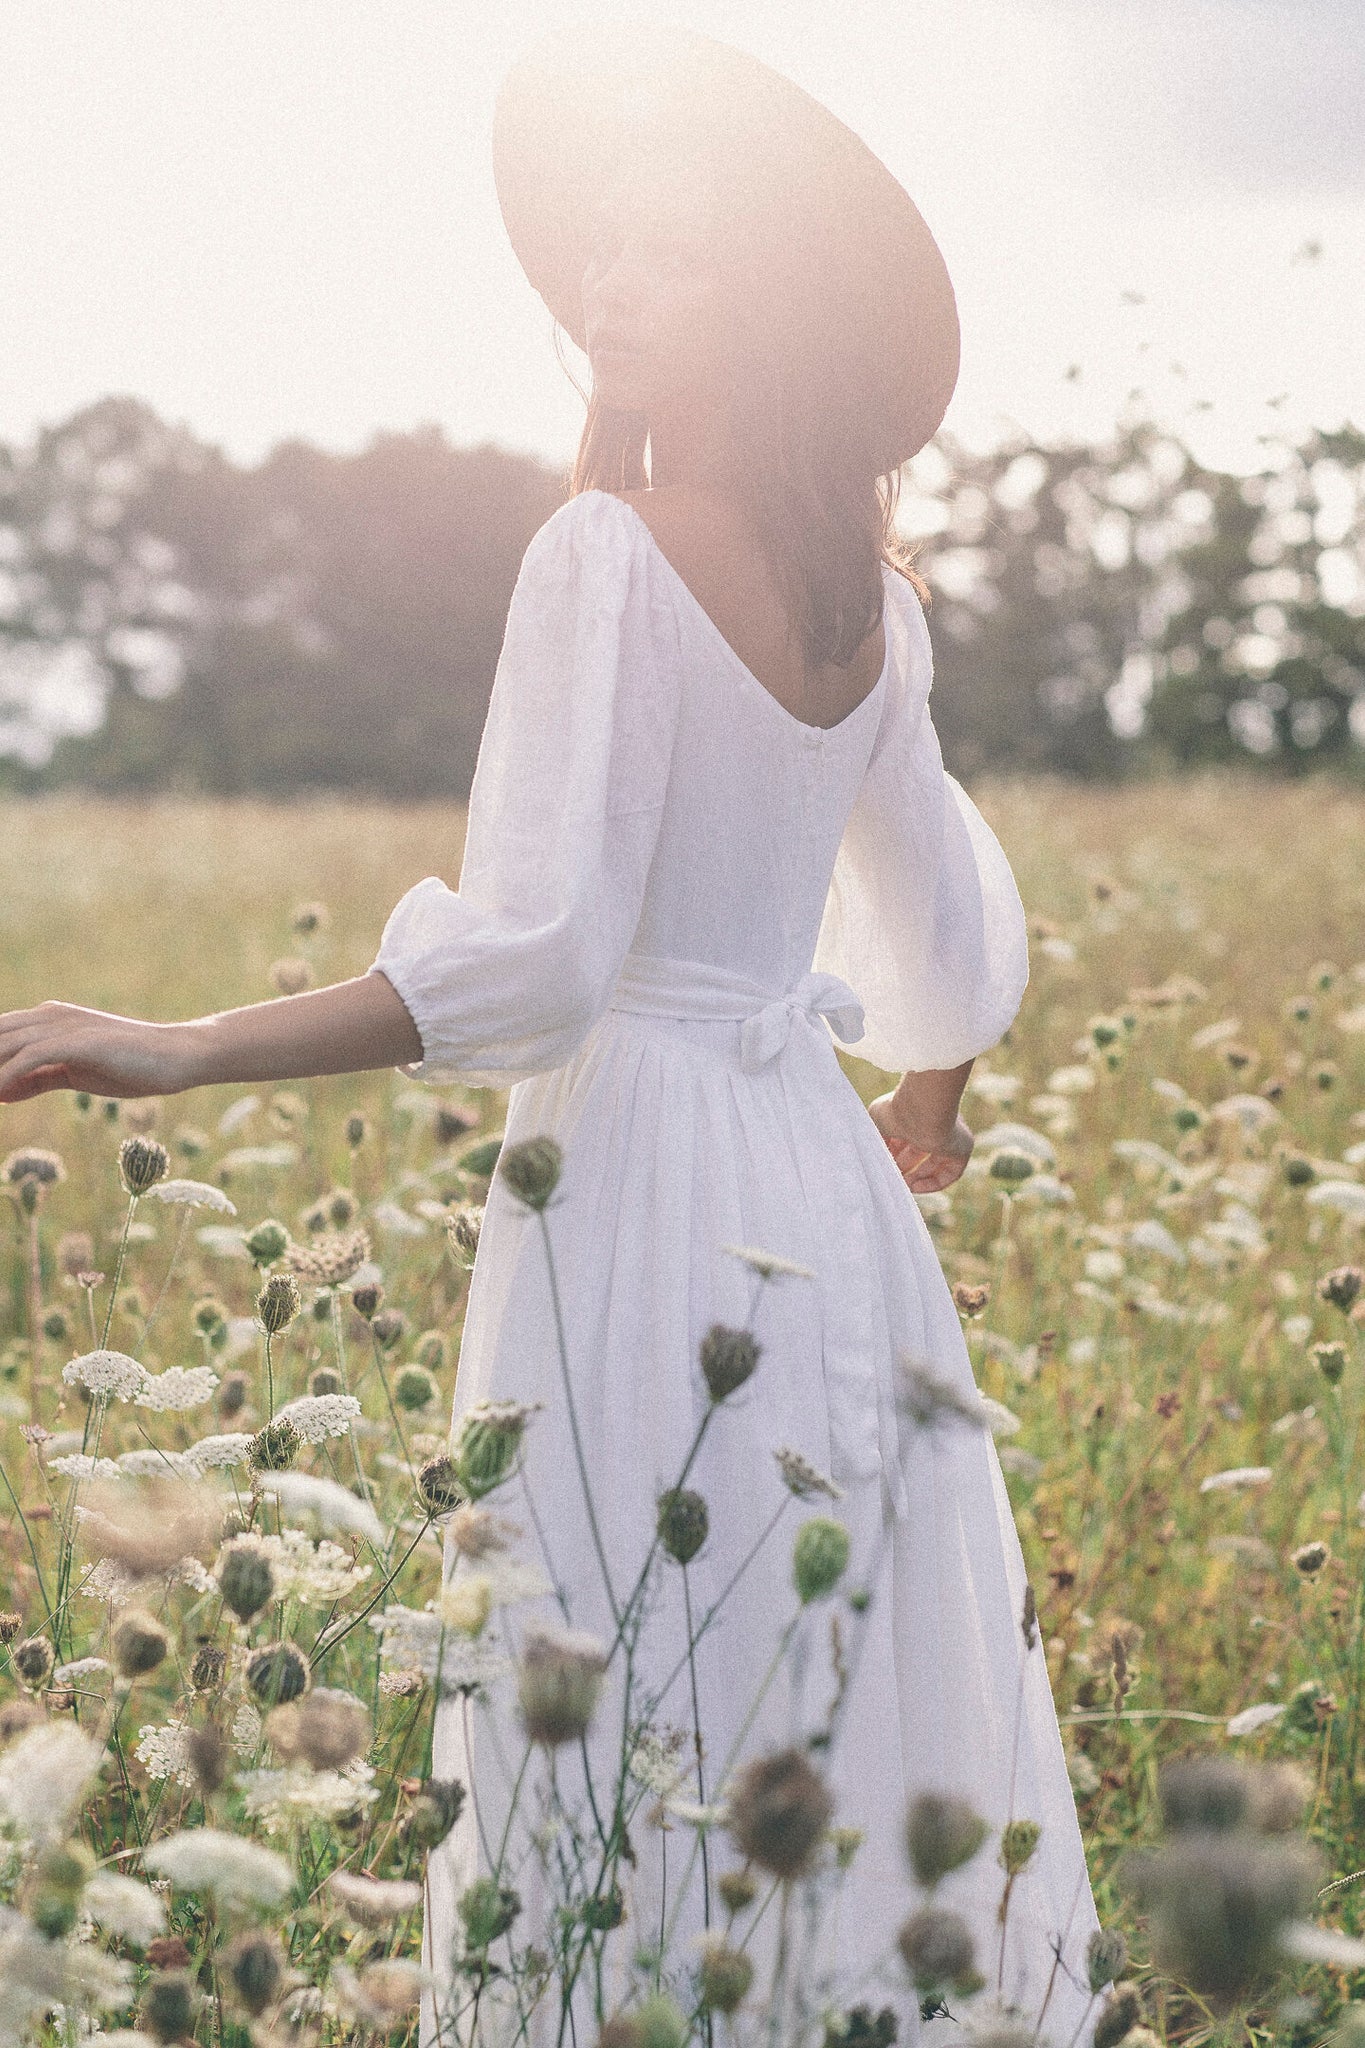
267 1242
278 1303
532 1169
414 1388
728 1358
139 1643
726 1974
274 1448
819 1557
142 1162
683 1522
277 1672
942 1832
245 1578
439 1488
488 1910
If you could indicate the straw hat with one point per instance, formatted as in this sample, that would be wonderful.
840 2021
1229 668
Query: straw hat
853 255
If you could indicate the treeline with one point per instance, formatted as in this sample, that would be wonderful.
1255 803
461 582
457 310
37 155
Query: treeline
169 619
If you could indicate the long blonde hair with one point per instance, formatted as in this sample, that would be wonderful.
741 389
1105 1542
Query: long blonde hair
809 479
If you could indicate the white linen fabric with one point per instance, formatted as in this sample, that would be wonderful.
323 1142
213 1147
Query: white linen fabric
673 892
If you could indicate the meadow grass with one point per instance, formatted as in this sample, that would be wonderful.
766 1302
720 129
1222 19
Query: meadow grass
1160 1294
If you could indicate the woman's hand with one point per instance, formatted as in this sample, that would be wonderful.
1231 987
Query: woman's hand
61 1045
928 1161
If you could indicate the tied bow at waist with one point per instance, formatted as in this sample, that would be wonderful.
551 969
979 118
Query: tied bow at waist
654 986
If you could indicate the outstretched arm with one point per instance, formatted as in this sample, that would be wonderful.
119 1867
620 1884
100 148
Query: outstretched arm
350 1028
924 1133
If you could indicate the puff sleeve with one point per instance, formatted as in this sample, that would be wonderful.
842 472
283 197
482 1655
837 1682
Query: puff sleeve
923 917
505 976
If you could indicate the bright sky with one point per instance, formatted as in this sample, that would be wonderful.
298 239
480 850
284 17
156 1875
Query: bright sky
277 217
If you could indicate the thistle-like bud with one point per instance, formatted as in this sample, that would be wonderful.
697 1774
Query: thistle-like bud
657 2023
1341 1287
366 1299
267 1242
726 1974
209 1316
255 1970
1330 1359
10 1625
942 1832
488 1910
208 1668
937 1949
168 2006
210 1755
142 1162
1118 2018
1011 1167
388 1327
559 1678
971 1300
779 1812
486 1449
277 1672
819 1557
1106 1956
327 1728
434 1812
278 1303
463 1231
55 1326
324 1379
245 1578
414 1388
274 1448
139 1644
683 1522
355 1130
532 1169
439 1488
1018 1840
728 1359
431 1350
33 1661
738 1889
232 1394
1310 1558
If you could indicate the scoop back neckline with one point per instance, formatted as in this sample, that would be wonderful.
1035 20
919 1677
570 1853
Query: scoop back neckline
803 725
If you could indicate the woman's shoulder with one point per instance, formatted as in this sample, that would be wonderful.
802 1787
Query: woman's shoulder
590 521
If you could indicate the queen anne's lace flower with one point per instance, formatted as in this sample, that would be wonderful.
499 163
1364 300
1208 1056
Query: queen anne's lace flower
308 1571
77 1672
304 1496
281 1798
802 1477
164 1752
107 1372
658 1760
319 1416
216 1453
178 1389
415 1641
769 1264
44 1776
124 1907
80 1465
237 1872
331 1258
373 1902
193 1194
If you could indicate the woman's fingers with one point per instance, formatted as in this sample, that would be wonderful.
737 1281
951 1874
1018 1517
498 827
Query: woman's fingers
31 1069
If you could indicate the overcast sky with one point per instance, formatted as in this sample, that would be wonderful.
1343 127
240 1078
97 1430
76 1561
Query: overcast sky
277 217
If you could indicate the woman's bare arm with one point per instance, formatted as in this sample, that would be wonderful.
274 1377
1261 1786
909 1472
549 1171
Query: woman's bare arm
925 1135
350 1028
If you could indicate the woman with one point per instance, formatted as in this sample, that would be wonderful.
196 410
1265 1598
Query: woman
709 817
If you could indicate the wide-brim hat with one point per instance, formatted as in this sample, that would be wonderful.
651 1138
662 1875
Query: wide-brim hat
805 186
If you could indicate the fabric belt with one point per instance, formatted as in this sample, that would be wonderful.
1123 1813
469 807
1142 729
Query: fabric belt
651 985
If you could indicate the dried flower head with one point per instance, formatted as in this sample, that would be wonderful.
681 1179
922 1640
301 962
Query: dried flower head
245 1578
725 1974
331 1259
801 1477
937 1949
274 1448
32 1162
439 1488
728 1359
779 1811
1310 1558
942 1832
1341 1287
373 1902
327 1729
277 1672
682 1522
255 1969
140 1644
278 1303
33 1660
559 1677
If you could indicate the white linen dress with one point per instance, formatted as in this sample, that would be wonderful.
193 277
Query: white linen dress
671 889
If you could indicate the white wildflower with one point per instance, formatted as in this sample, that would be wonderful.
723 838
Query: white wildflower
319 1416
308 1571
802 1477
414 1641
192 1194
260 1158
1054 947
164 1751
147 1461
246 1729
1251 1113
1309 1943
1074 1080
298 1795
1151 1235
331 1507
658 1760
1346 1197
235 1871
237 1113
44 1777
1001 1088
1016 1137
1214 1034
1146 1153
216 1453
178 1389
124 1907
371 1901
1236 1477
1000 1420
1104 1265
77 1672
1298 1329
81 1466
223 1241
37 1975
1044 1188
697 1815
768 1263
106 1372
395 1219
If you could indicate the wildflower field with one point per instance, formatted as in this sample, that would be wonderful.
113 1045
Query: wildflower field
229 1327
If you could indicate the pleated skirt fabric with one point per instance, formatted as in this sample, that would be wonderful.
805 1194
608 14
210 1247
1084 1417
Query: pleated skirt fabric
671 1153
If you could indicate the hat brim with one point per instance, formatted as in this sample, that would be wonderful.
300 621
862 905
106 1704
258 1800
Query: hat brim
576 101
